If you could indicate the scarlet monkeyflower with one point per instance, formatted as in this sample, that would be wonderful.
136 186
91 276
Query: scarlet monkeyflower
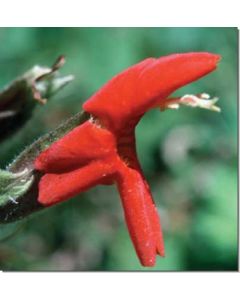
103 151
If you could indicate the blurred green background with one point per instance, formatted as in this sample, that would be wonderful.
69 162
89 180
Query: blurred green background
189 156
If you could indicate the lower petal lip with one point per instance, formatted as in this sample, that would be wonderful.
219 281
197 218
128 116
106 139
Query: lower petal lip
148 262
141 215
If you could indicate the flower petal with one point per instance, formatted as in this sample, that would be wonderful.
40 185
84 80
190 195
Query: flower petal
84 143
131 93
54 188
141 216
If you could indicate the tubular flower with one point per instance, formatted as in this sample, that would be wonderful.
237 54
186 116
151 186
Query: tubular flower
103 151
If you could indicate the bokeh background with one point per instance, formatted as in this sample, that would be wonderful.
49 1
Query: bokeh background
189 156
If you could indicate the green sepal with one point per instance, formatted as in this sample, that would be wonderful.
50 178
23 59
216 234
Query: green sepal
14 185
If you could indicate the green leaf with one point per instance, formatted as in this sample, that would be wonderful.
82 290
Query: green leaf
14 185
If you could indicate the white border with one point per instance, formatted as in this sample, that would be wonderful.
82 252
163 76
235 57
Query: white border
197 286
119 285
119 13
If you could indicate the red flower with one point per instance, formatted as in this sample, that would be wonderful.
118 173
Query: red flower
102 150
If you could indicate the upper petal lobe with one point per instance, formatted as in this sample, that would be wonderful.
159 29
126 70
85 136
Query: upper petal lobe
131 93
